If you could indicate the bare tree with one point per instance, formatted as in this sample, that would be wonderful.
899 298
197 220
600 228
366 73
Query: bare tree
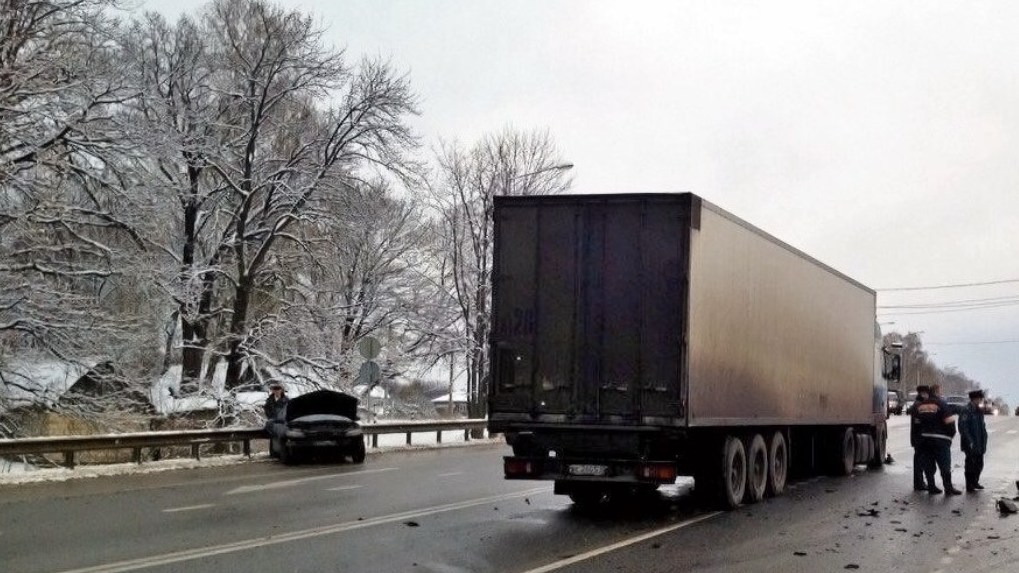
65 231
265 127
509 163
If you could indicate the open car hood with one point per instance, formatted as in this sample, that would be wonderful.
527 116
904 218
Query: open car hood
322 402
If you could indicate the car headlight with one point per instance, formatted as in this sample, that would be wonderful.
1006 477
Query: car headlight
295 434
355 432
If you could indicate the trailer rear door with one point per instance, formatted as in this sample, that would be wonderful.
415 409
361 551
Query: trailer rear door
588 302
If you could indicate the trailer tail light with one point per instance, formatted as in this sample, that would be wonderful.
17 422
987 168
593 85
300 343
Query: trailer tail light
519 467
657 471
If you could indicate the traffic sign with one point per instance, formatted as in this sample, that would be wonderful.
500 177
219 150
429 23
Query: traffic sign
369 374
369 347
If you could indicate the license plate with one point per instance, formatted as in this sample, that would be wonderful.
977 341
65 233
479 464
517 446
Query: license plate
588 470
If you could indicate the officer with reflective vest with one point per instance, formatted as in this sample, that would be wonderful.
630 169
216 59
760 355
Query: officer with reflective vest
937 428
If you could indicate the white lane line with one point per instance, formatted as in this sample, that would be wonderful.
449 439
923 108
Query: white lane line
620 544
449 474
275 539
343 487
188 508
299 481
1010 432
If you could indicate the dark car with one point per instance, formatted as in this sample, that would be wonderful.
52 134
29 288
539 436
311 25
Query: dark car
957 403
319 422
894 404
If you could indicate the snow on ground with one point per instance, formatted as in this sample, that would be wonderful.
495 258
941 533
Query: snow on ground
13 473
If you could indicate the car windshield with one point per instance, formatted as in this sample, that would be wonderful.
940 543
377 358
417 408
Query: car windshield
956 399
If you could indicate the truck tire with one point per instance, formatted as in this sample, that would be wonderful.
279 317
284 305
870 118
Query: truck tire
843 458
732 474
778 464
757 469
880 447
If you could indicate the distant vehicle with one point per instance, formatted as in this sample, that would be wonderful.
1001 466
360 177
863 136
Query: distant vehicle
894 404
957 403
319 422
988 407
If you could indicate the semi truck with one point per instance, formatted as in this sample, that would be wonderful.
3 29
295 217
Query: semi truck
640 337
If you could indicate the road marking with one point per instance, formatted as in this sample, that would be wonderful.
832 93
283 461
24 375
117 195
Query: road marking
1010 432
449 474
343 487
248 544
188 508
953 550
299 481
620 544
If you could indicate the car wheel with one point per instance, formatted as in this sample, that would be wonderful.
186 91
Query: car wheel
357 453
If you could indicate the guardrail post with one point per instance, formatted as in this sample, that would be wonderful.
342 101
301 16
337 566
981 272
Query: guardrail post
247 448
409 434
136 455
195 451
375 440
467 435
69 458
438 436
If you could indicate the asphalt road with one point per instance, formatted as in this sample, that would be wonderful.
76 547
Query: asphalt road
449 510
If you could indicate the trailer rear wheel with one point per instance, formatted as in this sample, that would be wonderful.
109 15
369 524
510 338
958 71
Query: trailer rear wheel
778 464
757 469
844 459
733 472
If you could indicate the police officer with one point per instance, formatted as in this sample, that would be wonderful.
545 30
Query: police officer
937 429
973 434
923 462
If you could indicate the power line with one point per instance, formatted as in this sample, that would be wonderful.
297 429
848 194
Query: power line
937 287
948 310
971 343
956 303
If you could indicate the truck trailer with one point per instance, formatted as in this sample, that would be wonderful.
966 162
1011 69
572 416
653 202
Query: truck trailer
640 337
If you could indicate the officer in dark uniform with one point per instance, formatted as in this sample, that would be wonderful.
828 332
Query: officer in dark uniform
923 462
973 433
937 428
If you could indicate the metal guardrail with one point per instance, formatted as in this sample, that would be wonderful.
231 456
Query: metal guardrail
136 442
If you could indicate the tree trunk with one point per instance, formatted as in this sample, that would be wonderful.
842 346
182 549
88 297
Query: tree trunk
238 329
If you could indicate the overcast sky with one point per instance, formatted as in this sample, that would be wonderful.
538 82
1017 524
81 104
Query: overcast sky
879 137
